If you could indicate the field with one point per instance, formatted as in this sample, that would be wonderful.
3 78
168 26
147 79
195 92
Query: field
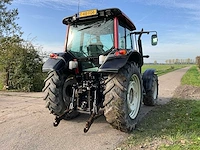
174 126
163 69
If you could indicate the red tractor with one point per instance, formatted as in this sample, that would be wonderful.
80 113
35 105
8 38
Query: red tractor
100 70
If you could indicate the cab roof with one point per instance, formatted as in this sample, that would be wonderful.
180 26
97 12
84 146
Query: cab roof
105 13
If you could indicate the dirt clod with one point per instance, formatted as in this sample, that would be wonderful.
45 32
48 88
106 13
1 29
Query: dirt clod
187 92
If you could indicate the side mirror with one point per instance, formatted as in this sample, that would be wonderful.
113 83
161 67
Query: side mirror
154 39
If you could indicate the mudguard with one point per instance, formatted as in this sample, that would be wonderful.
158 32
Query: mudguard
114 63
57 63
147 78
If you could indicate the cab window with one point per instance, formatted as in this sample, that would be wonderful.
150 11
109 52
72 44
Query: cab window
125 41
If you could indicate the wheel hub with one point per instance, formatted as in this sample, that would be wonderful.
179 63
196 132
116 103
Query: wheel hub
155 90
134 96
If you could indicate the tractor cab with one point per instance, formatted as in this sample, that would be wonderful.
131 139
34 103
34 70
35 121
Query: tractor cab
93 34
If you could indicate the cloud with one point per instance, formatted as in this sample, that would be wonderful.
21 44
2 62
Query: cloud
191 8
59 4
184 4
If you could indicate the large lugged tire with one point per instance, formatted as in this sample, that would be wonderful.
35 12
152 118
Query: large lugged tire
58 92
150 98
123 97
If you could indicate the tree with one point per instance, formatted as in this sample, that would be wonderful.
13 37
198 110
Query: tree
177 61
9 34
19 59
198 61
8 26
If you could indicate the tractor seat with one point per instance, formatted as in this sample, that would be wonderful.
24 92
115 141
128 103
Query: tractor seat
95 50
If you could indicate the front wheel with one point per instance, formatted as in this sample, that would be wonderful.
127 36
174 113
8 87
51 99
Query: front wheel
151 96
123 96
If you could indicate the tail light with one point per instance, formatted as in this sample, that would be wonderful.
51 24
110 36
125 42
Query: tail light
121 52
53 55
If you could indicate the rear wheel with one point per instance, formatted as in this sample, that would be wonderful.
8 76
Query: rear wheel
151 96
58 93
123 95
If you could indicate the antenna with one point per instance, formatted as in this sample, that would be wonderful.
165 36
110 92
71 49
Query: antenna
78 6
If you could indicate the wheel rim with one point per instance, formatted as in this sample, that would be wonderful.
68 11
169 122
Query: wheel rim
155 90
134 96
68 91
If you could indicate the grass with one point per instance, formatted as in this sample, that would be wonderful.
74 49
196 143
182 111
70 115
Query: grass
171 126
192 77
163 69
174 126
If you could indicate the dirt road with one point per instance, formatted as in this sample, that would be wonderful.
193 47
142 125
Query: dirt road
26 125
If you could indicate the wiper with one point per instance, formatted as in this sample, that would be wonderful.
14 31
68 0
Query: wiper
97 24
85 28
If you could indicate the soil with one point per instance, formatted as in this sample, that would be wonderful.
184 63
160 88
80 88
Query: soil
187 92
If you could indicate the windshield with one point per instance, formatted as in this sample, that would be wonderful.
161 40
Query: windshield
91 38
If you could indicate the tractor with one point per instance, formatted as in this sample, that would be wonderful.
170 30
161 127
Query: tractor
99 72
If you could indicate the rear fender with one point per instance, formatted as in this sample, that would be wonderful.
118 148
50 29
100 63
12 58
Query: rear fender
113 64
147 78
58 63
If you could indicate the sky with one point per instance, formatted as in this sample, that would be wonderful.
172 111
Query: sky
177 23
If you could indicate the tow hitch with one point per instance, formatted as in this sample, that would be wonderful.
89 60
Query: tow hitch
93 117
59 118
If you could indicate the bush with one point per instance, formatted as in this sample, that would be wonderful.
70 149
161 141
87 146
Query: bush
27 73
21 66
198 61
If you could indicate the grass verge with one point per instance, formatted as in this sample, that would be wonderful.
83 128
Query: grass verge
163 69
192 77
175 125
